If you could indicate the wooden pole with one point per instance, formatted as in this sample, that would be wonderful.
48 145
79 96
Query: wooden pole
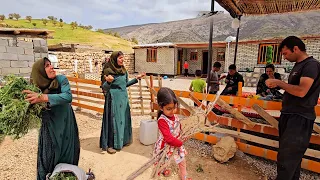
152 96
271 120
141 98
236 113
159 81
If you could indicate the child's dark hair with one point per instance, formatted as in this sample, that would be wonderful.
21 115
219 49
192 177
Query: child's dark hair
271 66
217 65
165 96
232 67
198 73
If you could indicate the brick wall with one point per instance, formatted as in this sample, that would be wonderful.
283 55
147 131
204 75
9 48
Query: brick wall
17 54
67 59
164 65
247 56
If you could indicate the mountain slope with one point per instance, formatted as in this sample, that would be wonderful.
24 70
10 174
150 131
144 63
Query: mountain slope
79 35
252 27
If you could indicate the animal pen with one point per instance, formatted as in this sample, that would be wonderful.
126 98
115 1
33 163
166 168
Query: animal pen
254 138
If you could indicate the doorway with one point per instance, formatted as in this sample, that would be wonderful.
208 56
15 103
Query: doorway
179 65
204 62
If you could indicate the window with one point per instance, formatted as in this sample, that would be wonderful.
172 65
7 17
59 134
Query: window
152 55
275 53
221 56
194 56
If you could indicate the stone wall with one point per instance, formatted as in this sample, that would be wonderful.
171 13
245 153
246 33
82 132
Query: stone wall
17 54
164 65
67 61
247 56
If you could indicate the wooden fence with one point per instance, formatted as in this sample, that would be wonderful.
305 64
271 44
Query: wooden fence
87 94
252 137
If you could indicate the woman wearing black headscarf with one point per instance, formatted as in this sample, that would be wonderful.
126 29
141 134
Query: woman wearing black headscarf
58 137
116 130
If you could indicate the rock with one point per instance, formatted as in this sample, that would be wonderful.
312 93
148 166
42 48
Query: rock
224 149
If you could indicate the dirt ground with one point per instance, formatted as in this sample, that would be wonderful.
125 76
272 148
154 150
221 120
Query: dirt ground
18 158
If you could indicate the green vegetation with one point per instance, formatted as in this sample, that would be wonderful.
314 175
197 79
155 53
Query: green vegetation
269 54
67 33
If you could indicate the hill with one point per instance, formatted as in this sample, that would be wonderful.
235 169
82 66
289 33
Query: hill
82 36
252 27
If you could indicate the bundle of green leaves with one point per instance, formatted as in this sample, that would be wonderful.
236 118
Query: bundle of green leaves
64 176
17 115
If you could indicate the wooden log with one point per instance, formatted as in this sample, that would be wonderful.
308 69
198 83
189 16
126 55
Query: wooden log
141 100
236 113
271 120
184 104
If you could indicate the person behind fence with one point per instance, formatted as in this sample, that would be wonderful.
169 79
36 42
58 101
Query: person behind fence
198 84
263 90
116 130
298 107
233 78
186 68
170 130
58 137
214 78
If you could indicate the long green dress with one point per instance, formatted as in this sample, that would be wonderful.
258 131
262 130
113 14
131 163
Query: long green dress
116 128
59 137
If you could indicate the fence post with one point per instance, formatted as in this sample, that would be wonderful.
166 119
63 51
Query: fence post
77 87
238 103
152 96
159 81
141 98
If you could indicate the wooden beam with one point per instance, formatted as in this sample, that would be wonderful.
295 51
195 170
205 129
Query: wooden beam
271 120
236 113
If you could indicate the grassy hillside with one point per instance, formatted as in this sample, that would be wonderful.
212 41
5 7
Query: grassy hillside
79 35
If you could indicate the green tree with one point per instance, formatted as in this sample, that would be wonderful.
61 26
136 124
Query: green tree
29 18
60 20
54 22
51 18
269 55
116 34
45 22
89 27
74 25
61 24
10 16
16 16
100 30
2 17
134 40
34 24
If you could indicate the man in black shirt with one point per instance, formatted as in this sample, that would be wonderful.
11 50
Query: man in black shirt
298 107
232 80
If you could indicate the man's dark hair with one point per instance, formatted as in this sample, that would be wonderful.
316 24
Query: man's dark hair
292 41
198 73
233 67
217 65
270 66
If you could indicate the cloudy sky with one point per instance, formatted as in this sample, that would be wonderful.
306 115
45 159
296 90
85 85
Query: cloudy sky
108 13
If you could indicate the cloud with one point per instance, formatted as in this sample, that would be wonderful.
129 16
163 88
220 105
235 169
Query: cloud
108 13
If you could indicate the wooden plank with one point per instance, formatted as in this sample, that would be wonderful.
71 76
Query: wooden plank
234 112
266 115
159 81
97 90
89 94
86 81
88 100
141 99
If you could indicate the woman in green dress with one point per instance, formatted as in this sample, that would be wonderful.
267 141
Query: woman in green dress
116 130
58 137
